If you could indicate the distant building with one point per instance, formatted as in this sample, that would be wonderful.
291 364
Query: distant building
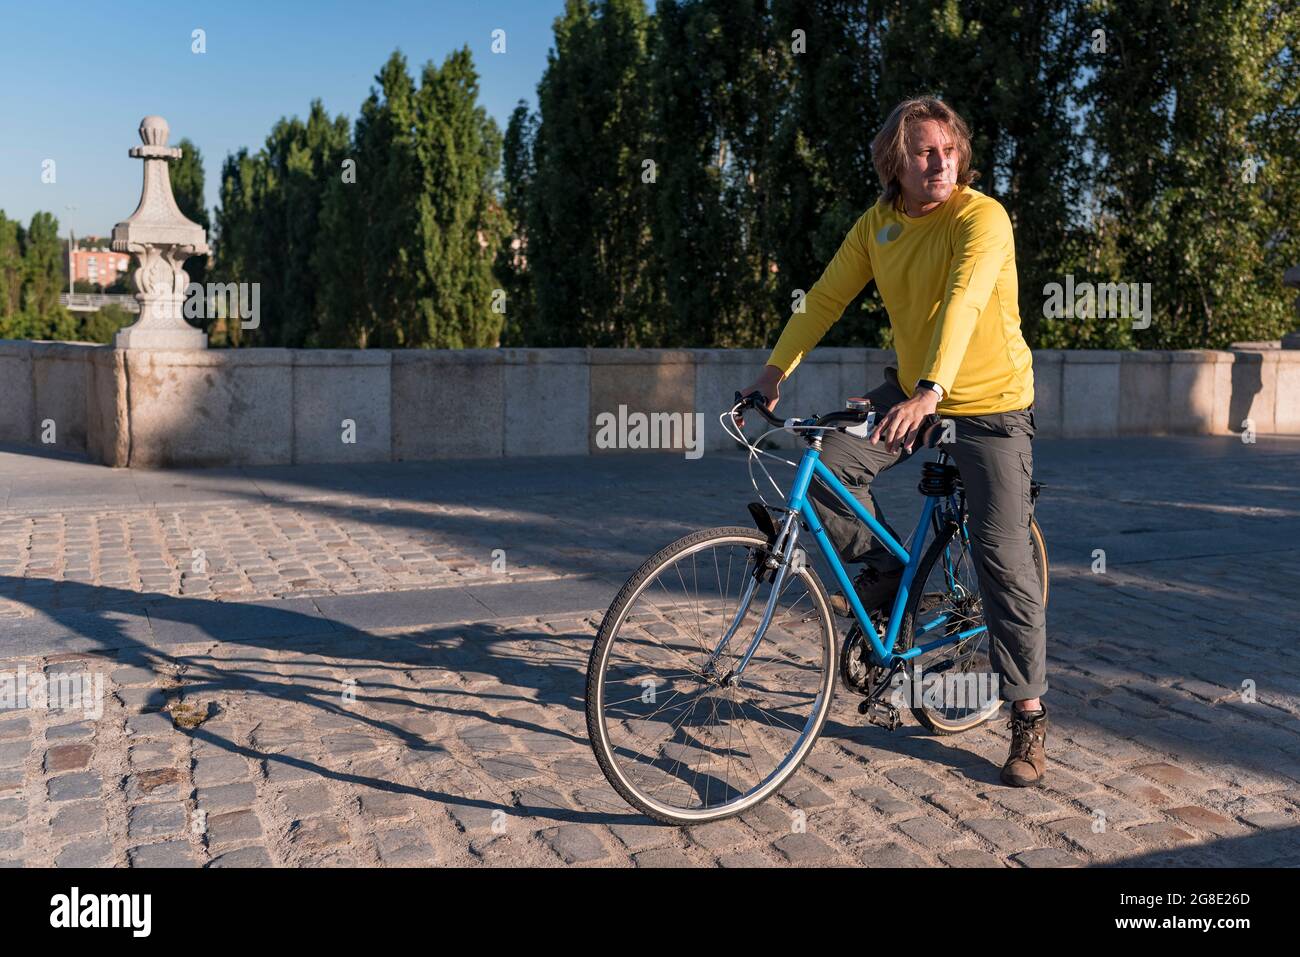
101 266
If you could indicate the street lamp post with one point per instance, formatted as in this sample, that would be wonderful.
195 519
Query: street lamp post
72 244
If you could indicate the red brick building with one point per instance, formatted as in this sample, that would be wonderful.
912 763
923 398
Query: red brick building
101 266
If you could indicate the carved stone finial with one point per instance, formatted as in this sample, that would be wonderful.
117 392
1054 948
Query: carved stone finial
154 131
160 238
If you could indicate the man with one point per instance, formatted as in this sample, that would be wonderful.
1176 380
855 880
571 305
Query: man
943 258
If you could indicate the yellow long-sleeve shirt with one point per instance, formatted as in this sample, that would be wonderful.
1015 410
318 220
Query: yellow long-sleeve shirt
948 281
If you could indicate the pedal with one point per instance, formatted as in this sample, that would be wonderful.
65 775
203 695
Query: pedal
881 713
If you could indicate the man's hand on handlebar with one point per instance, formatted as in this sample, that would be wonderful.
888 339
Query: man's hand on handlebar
769 384
903 424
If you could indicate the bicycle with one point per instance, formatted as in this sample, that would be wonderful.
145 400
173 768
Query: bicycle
675 673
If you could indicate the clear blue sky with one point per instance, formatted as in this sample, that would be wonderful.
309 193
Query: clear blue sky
76 77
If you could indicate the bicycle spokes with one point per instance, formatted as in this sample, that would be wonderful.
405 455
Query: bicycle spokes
689 730
955 680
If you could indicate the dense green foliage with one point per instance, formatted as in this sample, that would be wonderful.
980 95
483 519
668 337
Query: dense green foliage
102 326
268 227
384 238
1118 136
186 176
32 275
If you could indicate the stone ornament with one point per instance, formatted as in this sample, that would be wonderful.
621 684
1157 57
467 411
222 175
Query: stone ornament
160 239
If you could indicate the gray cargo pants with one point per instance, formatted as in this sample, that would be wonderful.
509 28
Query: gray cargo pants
995 457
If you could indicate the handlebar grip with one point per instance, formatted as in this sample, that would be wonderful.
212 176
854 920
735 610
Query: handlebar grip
930 433
758 402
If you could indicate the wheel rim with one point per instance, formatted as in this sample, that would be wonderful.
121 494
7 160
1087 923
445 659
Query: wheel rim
955 686
1039 545
680 742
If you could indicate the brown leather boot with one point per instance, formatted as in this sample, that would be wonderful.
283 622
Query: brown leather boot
876 591
1027 762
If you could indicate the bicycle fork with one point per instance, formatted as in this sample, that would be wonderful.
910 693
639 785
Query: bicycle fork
778 558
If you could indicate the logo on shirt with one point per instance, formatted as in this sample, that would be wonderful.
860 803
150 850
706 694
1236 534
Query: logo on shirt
889 233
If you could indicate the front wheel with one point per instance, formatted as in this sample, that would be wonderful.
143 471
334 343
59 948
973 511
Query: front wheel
675 738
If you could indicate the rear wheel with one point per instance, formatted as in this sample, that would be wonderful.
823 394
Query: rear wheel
952 688
1040 556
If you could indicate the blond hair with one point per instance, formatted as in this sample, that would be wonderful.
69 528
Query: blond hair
889 148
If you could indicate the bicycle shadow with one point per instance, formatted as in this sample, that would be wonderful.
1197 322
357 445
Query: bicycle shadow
254 661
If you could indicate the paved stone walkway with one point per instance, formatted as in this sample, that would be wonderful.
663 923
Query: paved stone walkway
387 666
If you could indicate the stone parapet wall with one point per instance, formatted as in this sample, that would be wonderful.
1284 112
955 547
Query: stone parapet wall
154 408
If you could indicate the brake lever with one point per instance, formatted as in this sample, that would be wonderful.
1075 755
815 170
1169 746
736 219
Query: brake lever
750 400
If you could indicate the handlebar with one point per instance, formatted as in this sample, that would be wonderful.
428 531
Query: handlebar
758 402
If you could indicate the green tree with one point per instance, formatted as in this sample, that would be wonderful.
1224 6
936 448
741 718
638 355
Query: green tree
367 276
11 271
760 115
413 236
461 224
238 233
302 157
187 186
588 213
1194 113
102 325
43 279
716 74
694 254
512 268
822 175
268 226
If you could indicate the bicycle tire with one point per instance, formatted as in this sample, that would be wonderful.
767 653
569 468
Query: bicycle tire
906 636
1041 564
607 634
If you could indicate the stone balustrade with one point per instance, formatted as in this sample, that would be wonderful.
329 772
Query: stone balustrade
161 408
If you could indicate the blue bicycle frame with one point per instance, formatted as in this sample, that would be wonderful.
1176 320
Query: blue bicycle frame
798 505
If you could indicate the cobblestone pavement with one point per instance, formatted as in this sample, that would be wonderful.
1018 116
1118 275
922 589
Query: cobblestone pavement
232 551
1175 673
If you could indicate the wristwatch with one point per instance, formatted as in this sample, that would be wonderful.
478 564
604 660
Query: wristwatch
927 384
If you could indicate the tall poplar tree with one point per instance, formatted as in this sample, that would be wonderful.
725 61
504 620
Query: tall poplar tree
414 238
11 272
45 275
461 223
187 186
594 181
512 267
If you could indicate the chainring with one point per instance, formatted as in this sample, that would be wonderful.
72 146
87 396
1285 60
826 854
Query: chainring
857 671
